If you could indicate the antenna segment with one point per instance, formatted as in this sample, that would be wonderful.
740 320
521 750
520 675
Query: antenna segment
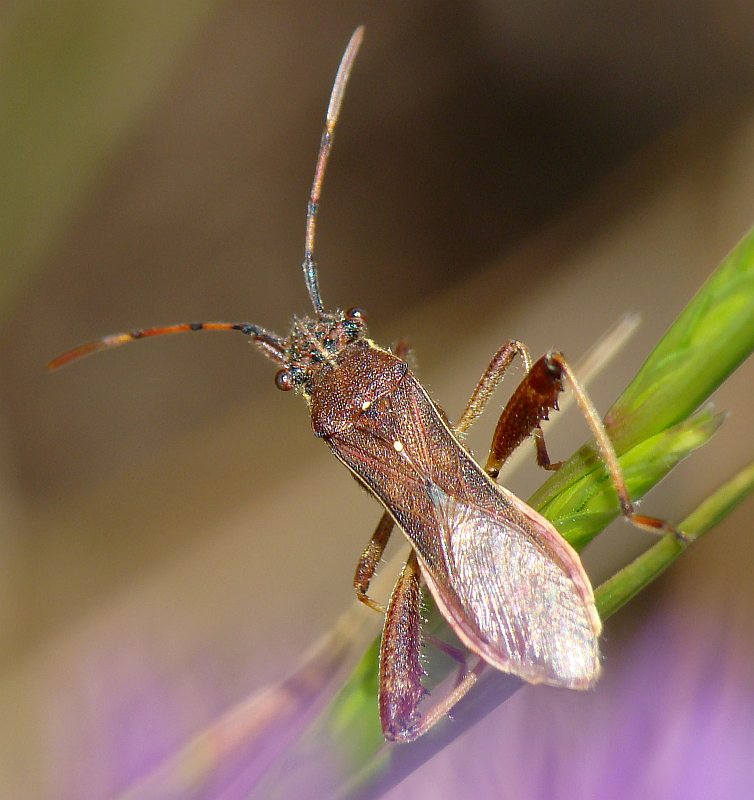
333 110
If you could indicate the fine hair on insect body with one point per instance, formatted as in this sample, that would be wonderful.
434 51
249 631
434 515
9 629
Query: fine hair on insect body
511 588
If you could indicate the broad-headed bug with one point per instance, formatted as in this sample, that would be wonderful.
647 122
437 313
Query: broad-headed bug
510 587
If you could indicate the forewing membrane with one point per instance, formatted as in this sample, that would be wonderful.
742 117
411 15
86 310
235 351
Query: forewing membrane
514 597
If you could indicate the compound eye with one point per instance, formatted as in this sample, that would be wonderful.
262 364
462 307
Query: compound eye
357 314
283 380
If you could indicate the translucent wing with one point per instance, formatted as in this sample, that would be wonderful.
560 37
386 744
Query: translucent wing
515 592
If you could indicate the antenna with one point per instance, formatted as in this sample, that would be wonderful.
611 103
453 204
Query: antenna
272 345
333 110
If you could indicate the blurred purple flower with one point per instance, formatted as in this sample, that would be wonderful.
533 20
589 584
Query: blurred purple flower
673 717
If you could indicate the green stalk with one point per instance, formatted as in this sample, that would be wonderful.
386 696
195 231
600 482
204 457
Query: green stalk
629 581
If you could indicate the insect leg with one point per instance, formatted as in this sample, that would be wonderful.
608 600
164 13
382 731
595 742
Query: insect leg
459 656
437 712
367 565
557 366
490 381
480 397
401 671
402 349
529 404
455 653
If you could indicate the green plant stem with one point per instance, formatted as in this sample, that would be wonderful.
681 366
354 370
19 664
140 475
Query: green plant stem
615 592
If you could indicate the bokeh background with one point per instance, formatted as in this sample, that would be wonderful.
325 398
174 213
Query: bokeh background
172 538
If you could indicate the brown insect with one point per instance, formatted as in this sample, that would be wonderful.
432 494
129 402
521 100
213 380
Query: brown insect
512 589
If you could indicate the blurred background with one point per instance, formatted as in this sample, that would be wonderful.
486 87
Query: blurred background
172 536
